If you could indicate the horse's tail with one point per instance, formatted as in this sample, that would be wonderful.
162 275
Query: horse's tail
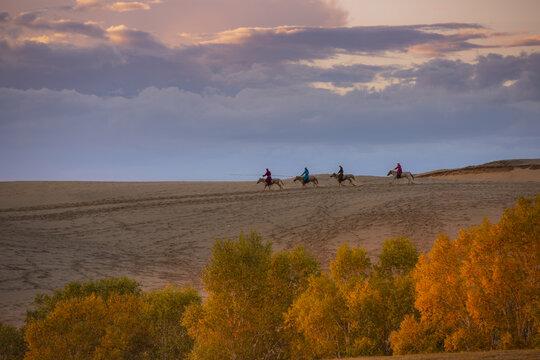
412 176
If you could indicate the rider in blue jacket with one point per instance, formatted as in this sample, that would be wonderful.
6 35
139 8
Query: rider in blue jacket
305 174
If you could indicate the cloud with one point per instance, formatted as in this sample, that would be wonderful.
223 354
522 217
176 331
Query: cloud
120 6
362 39
4 17
128 6
488 72
128 61
36 22
133 38
73 133
528 41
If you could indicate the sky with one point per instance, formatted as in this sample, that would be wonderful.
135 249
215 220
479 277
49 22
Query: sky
182 90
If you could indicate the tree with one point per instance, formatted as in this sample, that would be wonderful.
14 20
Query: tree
248 291
12 345
398 257
45 304
353 311
352 265
503 276
90 328
379 306
164 309
320 315
481 291
110 319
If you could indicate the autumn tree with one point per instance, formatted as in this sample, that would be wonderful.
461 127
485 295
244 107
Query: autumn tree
90 328
319 315
248 291
353 310
45 304
110 319
482 290
12 345
379 305
164 310
502 271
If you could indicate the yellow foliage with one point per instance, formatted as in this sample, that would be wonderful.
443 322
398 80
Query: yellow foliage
88 328
350 266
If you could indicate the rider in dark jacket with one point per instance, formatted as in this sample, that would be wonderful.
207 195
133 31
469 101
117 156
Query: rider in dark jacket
340 174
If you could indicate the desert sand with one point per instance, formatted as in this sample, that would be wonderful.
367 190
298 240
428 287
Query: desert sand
162 233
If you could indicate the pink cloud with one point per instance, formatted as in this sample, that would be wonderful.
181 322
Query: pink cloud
120 6
527 41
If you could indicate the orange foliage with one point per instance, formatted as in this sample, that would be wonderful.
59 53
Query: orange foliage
481 291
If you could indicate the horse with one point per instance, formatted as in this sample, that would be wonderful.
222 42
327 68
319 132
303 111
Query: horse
274 181
349 177
311 179
405 174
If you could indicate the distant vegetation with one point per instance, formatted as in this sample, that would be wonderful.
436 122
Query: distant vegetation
480 291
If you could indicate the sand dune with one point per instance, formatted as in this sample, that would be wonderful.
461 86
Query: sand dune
161 233
502 170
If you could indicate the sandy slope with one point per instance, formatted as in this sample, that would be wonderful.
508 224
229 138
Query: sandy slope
159 233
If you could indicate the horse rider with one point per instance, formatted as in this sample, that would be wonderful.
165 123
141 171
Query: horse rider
399 171
268 176
305 174
340 174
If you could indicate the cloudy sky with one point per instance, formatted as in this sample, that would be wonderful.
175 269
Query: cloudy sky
220 90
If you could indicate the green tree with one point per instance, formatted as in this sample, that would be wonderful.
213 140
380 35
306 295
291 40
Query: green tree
378 306
12 345
164 310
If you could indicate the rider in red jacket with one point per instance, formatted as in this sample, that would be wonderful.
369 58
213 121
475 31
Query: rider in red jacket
268 175
399 171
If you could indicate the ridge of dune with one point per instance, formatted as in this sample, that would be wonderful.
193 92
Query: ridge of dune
500 170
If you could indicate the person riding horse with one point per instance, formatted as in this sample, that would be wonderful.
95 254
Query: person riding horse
268 175
340 174
399 171
305 174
